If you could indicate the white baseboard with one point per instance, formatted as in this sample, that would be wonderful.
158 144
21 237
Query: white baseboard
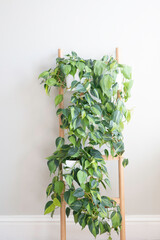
39 227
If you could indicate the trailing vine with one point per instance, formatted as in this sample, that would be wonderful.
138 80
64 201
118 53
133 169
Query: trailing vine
94 118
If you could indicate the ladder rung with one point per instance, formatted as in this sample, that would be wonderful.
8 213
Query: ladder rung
110 158
117 200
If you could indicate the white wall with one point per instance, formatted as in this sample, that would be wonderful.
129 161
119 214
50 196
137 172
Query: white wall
31 32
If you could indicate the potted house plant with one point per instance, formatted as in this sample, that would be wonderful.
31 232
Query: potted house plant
94 118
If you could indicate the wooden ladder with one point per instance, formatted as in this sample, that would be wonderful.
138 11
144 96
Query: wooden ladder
119 200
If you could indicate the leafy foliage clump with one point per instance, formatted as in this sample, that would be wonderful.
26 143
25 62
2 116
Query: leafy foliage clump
94 118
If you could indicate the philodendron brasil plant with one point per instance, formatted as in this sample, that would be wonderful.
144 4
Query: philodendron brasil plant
94 118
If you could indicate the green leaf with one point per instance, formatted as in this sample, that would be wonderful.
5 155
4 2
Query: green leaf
113 64
68 211
94 92
88 69
99 67
97 110
88 98
83 114
88 207
128 115
105 58
80 74
65 112
116 220
106 153
44 75
103 211
92 136
80 88
92 228
82 220
59 111
96 154
74 112
76 206
109 107
69 180
80 66
59 142
74 54
49 207
72 151
56 202
82 176
94 184
119 147
107 182
52 157
115 88
74 84
66 69
90 118
106 83
72 139
78 193
81 132
87 85
85 123
49 189
127 72
104 227
58 99
75 216
106 202
127 88
87 164
76 123
55 179
90 170
52 166
58 187
116 116
73 70
46 89
51 82
125 162
68 197
128 85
